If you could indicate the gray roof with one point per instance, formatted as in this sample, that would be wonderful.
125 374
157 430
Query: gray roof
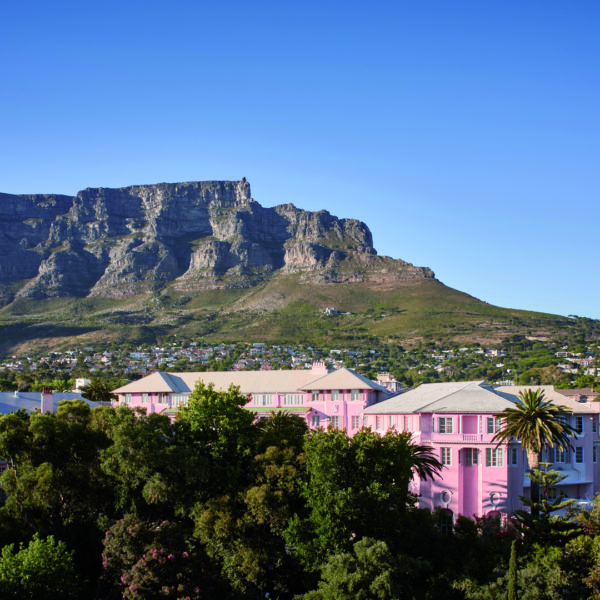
251 382
30 401
451 397
511 392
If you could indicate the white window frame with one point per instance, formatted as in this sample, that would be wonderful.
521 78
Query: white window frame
494 457
355 422
560 456
493 425
446 456
335 422
335 395
315 396
445 425
355 395
315 421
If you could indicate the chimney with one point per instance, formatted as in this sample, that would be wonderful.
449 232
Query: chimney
47 402
319 367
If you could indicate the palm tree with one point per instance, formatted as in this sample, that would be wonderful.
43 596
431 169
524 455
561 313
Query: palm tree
538 424
424 462
97 391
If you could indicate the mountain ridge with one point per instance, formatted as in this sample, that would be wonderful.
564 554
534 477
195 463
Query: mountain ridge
205 260
119 242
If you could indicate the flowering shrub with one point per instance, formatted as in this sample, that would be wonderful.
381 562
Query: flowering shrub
153 561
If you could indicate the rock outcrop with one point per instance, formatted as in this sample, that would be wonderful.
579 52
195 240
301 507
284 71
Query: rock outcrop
196 235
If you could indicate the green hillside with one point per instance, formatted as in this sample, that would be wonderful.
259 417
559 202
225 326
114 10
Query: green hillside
282 310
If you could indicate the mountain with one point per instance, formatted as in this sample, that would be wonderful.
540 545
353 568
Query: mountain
198 235
205 259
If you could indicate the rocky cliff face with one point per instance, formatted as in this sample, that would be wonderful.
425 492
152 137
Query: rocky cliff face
197 235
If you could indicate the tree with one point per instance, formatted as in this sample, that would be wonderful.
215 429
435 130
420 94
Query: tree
542 526
512 572
355 487
97 391
538 424
154 560
221 434
244 531
44 570
369 572
141 461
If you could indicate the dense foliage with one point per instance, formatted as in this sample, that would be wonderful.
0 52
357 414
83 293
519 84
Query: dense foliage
110 503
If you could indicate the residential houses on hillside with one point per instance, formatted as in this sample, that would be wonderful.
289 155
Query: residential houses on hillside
457 419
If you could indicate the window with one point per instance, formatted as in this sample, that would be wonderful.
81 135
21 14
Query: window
446 522
127 398
406 424
595 454
446 456
579 455
355 422
579 424
315 421
594 425
180 399
494 457
292 399
558 456
391 421
355 395
514 456
266 400
335 422
144 398
335 395
445 424
471 456
315 396
378 422
493 424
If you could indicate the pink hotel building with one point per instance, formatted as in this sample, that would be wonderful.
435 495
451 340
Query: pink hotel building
458 420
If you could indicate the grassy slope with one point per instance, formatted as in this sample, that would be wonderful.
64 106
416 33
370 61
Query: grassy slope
278 311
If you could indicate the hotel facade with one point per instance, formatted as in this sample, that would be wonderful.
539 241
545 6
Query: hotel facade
458 420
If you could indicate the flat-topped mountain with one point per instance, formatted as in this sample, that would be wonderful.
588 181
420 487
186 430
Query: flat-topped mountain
204 260
198 235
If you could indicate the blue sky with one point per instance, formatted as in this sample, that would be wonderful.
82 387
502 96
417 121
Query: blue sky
465 134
